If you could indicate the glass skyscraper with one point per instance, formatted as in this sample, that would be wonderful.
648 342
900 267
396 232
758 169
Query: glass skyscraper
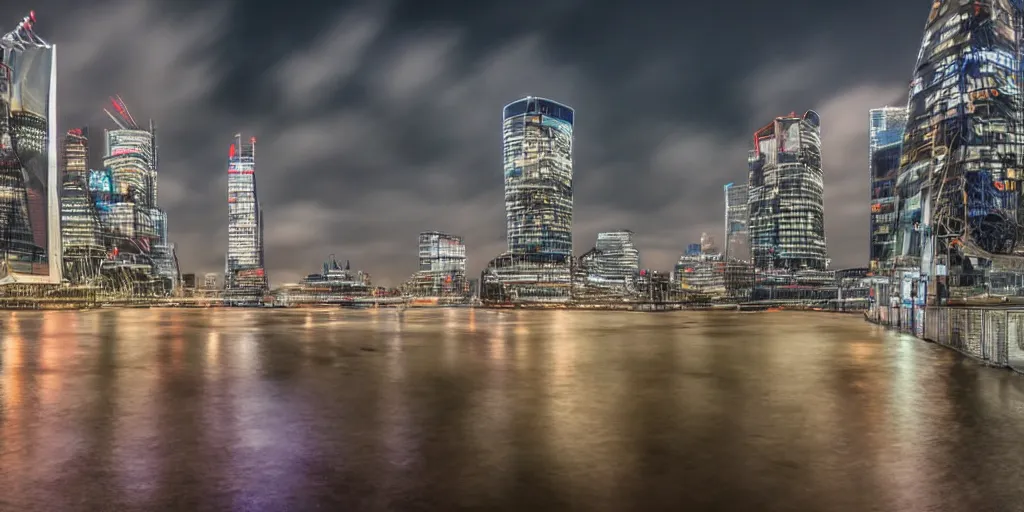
787 212
885 140
538 173
537 136
959 179
29 183
245 278
134 224
81 230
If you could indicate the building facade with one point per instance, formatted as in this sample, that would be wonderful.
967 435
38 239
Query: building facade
84 248
538 174
134 225
30 250
617 261
885 140
210 281
737 244
245 278
786 205
959 177
442 267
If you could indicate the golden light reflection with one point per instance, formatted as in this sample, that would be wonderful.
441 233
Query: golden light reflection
497 342
213 352
12 361
51 353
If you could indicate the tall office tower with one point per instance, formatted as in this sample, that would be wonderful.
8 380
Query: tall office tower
442 268
538 139
245 277
30 249
737 245
885 140
137 225
538 178
787 213
617 262
74 155
959 178
81 230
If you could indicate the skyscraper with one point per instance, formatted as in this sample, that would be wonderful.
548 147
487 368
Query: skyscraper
245 279
30 249
133 218
959 178
538 174
885 140
81 230
787 213
538 178
737 245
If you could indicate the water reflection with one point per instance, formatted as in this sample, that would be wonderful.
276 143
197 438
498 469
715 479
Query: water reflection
498 410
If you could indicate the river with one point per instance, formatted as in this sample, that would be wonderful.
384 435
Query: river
462 409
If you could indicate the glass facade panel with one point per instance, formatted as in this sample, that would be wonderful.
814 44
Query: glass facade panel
29 185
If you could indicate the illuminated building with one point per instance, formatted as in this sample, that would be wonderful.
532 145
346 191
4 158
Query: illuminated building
135 226
737 245
245 278
786 206
81 230
617 262
442 268
538 173
333 285
704 274
959 177
885 140
30 250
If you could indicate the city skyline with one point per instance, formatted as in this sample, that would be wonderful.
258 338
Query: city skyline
655 180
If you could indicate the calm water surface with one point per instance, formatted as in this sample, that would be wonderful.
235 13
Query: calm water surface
460 409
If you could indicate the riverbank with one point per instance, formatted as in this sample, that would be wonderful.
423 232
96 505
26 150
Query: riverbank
990 335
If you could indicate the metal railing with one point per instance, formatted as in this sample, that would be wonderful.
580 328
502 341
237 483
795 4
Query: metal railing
991 335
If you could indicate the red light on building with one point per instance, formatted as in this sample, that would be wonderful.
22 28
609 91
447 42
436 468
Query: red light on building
231 151
252 140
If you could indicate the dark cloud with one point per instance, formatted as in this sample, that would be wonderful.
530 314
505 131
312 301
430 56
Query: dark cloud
376 121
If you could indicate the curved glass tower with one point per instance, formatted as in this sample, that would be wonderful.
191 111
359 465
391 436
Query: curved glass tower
537 135
787 212
29 204
959 176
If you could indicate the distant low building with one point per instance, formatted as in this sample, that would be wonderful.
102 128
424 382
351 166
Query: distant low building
210 281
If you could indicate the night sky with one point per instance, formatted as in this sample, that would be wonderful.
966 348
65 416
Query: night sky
375 121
